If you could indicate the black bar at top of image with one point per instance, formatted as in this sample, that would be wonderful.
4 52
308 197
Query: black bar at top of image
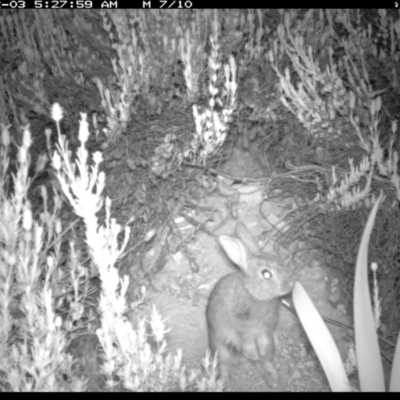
183 4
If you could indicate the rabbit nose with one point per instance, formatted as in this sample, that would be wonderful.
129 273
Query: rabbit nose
287 287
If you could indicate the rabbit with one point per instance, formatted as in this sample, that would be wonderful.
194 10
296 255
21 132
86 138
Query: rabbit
243 307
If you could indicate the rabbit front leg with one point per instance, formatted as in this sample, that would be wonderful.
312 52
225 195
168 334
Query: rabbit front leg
259 351
268 372
266 347
249 349
257 344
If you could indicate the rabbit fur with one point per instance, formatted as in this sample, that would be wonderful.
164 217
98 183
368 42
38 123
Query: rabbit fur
243 308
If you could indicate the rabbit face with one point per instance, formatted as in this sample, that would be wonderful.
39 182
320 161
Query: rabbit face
264 278
263 275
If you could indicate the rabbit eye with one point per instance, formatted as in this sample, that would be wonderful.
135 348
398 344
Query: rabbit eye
266 274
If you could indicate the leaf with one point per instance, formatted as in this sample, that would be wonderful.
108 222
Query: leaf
369 361
321 340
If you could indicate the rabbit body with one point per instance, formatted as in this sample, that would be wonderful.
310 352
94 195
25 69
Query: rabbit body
243 308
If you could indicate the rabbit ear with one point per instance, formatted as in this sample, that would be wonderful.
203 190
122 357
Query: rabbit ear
235 250
245 236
